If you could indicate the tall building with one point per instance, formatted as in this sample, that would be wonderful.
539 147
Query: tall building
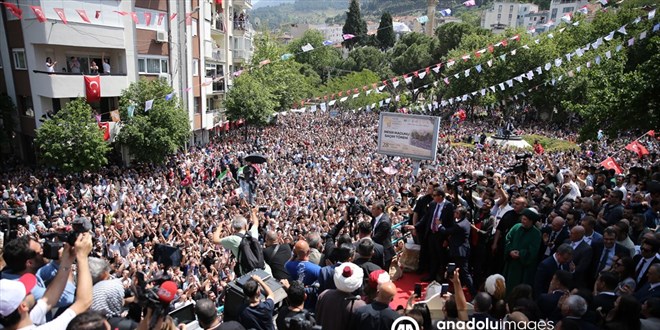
559 8
502 15
196 51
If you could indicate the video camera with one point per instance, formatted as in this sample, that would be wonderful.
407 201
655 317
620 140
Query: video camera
158 298
521 167
79 226
353 206
301 321
9 223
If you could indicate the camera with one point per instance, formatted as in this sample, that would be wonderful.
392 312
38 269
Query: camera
78 226
9 223
353 206
301 321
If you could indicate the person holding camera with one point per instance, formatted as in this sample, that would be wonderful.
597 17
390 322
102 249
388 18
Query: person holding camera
257 314
25 255
18 307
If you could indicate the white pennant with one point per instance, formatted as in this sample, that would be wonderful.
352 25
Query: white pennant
331 103
490 63
395 83
436 69
483 92
467 72
422 75
538 70
513 52
642 35
323 107
558 62
356 95
609 37
456 76
548 66
478 68
343 99
408 79
622 30
501 86
608 54
510 82
492 88
369 91
381 88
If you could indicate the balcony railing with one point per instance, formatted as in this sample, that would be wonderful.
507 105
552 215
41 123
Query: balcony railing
218 54
239 54
218 26
67 85
219 87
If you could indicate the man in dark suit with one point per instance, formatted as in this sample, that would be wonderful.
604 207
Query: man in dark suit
605 286
574 308
648 256
553 236
276 255
548 302
582 256
482 304
459 247
604 252
382 230
652 288
364 231
365 251
547 268
439 217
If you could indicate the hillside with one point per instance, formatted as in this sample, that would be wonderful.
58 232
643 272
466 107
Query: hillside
318 12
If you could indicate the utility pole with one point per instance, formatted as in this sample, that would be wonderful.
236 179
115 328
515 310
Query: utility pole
430 13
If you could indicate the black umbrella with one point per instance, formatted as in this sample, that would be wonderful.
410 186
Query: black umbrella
256 158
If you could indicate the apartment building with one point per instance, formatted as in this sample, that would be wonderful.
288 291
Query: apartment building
502 15
559 8
196 51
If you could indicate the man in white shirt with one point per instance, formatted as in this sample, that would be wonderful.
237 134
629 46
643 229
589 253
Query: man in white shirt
19 310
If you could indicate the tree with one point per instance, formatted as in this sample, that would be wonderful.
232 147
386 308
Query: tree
354 25
370 58
450 35
347 85
72 140
414 51
321 59
248 99
385 32
157 133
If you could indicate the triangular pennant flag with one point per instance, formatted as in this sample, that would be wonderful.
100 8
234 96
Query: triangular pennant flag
492 88
539 70
465 57
456 76
609 37
161 16
656 27
131 110
395 82
651 14
483 92
39 13
478 68
327 42
147 18
134 17
608 54
323 107
286 56
490 63
610 164
343 99
642 35
510 82
83 15
622 30
348 36
407 79
422 75
446 80
467 72
172 16
501 86
148 105
651 133
513 52
450 63
631 41
519 78
98 14
569 56
503 57
436 69
169 96
60 13
558 62
306 48
98 118
264 62
637 20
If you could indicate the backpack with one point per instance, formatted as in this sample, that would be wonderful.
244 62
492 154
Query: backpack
250 254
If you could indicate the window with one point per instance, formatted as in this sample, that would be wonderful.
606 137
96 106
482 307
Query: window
197 106
153 65
499 16
568 10
19 59
511 8
510 16
195 67
500 8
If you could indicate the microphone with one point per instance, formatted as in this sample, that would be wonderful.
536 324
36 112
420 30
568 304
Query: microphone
353 298
167 292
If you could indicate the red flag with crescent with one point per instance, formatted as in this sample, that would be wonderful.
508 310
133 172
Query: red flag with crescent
93 88
638 148
39 13
610 164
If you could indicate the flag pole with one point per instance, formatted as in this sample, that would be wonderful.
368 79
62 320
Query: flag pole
624 148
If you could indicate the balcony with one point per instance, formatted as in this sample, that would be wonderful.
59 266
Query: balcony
218 54
242 4
218 27
240 55
70 85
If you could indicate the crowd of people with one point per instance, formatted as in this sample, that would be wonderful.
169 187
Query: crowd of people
567 242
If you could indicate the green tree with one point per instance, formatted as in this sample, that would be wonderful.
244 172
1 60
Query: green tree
72 140
450 35
354 25
250 100
347 85
370 58
414 51
322 59
152 135
385 32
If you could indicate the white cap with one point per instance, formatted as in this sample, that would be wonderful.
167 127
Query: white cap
12 292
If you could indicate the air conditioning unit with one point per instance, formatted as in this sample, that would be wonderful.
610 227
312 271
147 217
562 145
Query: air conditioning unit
161 36
167 77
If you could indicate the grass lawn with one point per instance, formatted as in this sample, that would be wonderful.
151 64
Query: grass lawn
549 144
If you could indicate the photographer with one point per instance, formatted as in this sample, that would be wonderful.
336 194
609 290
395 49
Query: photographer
24 255
18 308
294 316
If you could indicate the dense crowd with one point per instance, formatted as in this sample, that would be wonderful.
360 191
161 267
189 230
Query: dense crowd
573 242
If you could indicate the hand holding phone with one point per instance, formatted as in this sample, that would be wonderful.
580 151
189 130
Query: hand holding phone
445 289
451 267
418 290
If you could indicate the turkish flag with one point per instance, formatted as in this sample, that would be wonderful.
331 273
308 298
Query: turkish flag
39 13
93 88
60 13
134 17
18 12
186 181
610 164
637 147
160 18
83 15
651 133
147 19
106 130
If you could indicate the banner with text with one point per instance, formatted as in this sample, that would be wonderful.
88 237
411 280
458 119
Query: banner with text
409 136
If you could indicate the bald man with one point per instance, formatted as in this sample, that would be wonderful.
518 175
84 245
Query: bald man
377 315
299 267
276 255
553 235
582 255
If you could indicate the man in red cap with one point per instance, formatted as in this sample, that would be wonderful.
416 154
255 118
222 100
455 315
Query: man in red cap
18 308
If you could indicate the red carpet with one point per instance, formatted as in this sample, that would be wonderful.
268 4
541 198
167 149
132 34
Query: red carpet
405 287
